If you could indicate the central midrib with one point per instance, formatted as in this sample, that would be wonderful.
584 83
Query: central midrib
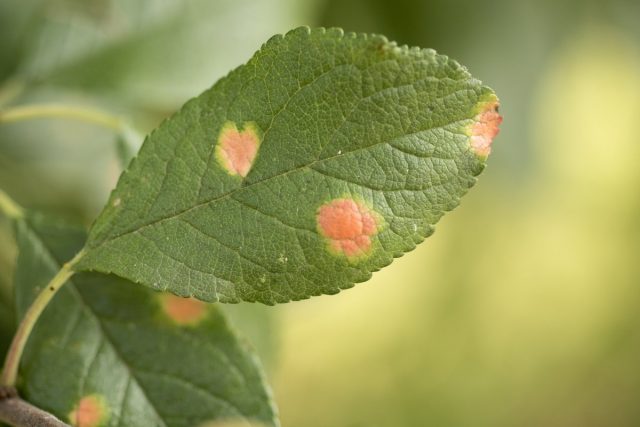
283 174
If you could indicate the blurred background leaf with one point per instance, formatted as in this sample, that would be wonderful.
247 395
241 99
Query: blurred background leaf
521 310
7 311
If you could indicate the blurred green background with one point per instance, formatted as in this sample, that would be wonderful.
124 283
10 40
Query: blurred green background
522 310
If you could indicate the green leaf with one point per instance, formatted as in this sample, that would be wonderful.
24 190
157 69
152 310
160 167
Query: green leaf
7 309
298 174
43 246
150 53
7 324
126 354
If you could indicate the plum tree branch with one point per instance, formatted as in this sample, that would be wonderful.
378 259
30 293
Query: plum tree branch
19 413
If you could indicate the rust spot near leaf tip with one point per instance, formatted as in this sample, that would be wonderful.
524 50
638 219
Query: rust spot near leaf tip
485 127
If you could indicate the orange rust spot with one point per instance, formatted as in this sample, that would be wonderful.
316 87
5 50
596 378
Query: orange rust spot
485 128
183 311
237 149
90 411
348 225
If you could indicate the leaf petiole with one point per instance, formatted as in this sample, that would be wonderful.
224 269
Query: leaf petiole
129 141
12 361
38 111
8 207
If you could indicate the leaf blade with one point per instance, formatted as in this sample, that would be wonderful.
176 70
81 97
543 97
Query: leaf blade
337 117
122 351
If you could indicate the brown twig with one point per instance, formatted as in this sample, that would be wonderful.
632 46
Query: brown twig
18 413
